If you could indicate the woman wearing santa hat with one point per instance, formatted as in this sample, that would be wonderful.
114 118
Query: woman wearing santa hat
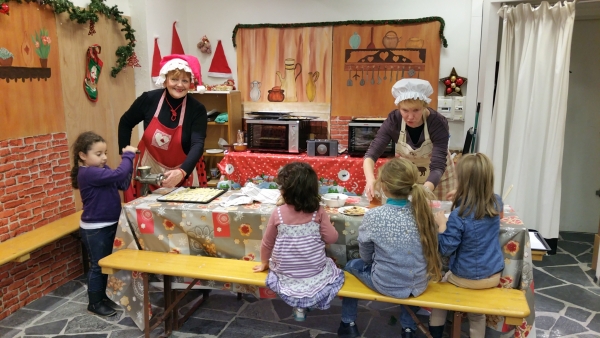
174 124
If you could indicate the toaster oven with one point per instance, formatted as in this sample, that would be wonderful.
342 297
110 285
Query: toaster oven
277 135
360 135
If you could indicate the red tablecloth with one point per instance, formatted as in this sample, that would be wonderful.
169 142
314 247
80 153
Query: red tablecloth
342 171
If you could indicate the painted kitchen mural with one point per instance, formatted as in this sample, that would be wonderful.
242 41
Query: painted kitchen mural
284 68
369 59
338 70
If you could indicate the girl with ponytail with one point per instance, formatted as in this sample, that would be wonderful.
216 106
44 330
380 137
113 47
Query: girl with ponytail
398 244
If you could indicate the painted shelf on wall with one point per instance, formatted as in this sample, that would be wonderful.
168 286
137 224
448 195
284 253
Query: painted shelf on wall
23 73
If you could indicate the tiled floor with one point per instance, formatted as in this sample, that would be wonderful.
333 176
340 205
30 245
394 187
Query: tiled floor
567 304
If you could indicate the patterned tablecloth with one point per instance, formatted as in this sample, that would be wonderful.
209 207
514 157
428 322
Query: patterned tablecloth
236 232
337 174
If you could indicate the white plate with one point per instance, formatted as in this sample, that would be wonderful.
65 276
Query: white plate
342 210
214 151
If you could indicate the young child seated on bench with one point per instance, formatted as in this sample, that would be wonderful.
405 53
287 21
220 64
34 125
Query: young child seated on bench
293 245
398 245
470 237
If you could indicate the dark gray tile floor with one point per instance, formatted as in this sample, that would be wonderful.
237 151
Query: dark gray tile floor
567 304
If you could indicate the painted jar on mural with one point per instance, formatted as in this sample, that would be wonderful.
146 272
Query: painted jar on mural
255 91
288 82
311 87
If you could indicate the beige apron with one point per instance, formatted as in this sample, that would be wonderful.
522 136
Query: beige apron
421 157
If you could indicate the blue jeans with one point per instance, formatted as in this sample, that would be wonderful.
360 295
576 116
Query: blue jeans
362 271
99 244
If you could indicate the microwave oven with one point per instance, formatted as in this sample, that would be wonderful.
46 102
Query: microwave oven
277 135
360 135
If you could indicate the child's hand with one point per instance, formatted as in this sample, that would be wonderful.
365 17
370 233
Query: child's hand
440 220
280 201
260 267
130 149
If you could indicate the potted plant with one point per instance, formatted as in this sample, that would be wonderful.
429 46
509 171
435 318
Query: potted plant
6 57
42 45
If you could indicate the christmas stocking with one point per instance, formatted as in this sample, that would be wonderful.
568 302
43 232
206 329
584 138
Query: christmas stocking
92 72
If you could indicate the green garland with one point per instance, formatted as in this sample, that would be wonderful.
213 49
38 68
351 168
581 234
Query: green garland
82 15
343 23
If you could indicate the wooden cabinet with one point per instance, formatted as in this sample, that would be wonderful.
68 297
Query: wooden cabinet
230 102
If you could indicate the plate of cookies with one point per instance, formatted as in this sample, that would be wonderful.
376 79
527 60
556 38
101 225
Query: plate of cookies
192 195
353 210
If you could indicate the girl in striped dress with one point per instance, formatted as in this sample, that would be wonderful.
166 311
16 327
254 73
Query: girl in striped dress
293 245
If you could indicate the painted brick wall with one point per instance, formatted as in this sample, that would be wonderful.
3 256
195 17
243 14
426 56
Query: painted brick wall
35 189
339 129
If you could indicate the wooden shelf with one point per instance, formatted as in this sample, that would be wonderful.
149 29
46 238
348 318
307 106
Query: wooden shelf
213 182
23 73
218 124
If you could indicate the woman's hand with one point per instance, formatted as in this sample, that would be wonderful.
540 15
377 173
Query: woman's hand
261 267
440 220
173 177
370 189
129 149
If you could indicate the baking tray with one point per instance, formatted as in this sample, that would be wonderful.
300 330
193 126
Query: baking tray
169 197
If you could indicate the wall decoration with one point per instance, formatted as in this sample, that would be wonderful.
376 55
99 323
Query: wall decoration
6 57
219 67
363 76
453 84
92 72
176 46
42 43
155 62
126 54
293 67
364 60
204 45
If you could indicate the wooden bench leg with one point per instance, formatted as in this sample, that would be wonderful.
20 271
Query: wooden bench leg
146 307
420 325
456 324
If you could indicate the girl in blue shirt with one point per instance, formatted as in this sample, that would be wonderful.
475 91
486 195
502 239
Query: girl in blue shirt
99 189
470 237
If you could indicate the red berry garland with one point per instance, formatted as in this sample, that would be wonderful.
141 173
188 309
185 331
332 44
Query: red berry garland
92 28
453 83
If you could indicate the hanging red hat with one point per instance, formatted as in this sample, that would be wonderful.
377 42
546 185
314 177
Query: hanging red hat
155 61
219 66
176 47
187 63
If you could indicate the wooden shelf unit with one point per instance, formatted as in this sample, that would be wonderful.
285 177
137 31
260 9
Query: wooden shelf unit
230 102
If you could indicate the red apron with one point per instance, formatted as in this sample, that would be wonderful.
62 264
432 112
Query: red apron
161 149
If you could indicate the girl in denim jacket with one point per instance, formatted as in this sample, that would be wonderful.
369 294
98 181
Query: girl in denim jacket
470 237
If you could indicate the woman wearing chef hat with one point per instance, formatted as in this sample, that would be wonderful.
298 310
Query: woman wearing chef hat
420 134
174 124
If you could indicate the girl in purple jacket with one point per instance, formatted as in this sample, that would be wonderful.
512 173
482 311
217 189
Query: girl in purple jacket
99 189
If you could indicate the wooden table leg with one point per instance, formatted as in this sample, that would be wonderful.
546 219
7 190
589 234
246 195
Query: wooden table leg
456 324
168 298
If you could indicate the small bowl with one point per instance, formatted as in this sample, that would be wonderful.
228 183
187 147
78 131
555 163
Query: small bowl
334 200
240 146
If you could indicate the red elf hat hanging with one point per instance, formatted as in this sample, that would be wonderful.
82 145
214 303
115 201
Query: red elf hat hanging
155 61
187 63
176 47
219 66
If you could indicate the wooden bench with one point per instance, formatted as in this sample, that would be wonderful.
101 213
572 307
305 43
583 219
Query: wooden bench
510 303
18 249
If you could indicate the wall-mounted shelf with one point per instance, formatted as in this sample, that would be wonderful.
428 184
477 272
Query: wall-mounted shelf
23 73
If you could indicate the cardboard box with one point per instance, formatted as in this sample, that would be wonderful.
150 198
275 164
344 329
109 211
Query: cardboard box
596 248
